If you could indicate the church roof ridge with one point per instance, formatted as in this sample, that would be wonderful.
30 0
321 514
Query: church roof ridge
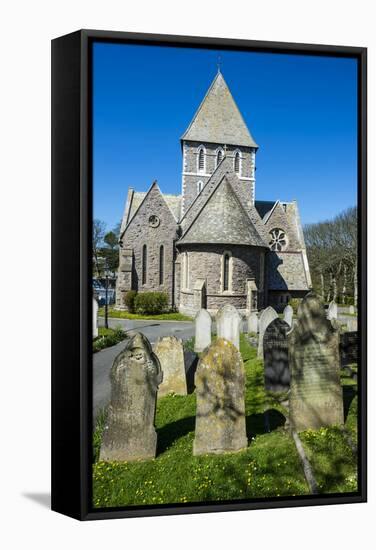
218 118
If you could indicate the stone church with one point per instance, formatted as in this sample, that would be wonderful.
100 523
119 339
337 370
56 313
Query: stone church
213 244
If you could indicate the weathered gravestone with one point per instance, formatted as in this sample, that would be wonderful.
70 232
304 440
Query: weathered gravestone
332 311
253 322
348 348
267 316
95 318
316 394
135 377
220 387
170 353
276 360
288 313
203 323
351 310
228 324
352 324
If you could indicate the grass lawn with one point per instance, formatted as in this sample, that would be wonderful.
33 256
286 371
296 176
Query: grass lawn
171 316
269 467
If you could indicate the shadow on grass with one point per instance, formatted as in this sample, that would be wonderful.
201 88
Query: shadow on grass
174 431
348 395
261 423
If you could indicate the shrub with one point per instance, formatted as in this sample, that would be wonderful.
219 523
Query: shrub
129 300
151 303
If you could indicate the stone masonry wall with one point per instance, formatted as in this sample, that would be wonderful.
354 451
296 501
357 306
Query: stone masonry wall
191 174
140 232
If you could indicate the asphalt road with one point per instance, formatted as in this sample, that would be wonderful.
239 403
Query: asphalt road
102 361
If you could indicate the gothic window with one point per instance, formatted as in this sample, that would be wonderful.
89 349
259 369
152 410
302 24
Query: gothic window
219 156
144 263
161 264
237 162
226 272
278 240
200 185
201 159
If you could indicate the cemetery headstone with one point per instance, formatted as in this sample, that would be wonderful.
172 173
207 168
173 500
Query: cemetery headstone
95 318
332 311
220 387
276 360
351 310
288 313
316 398
203 323
352 324
253 322
267 316
228 324
135 376
170 353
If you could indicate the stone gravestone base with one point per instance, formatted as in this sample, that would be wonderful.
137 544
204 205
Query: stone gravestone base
220 387
316 398
135 375
276 360
170 353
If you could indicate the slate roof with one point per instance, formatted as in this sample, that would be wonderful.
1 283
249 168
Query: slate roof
218 119
174 203
222 220
286 271
264 207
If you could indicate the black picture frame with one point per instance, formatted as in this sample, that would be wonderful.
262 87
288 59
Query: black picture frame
71 271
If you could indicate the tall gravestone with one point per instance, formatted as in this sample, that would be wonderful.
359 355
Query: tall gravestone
253 322
288 313
267 316
276 358
95 318
220 387
228 324
332 311
203 324
170 353
316 394
135 377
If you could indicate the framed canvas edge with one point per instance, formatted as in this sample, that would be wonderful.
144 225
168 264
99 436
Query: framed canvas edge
86 511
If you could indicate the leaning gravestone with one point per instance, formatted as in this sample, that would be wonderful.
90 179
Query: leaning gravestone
203 323
228 324
288 313
135 377
266 317
170 353
253 322
220 387
95 318
316 398
332 311
276 360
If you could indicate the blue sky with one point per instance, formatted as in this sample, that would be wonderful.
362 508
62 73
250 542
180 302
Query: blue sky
301 110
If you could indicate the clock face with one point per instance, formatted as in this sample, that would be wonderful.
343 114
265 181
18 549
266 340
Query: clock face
154 221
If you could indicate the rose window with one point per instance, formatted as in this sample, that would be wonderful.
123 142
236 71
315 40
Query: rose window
278 240
154 221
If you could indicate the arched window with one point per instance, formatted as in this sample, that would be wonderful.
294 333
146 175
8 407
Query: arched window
144 263
161 264
226 271
219 156
237 162
200 185
201 159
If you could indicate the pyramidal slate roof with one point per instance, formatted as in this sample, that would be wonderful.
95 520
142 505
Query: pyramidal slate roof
218 119
222 220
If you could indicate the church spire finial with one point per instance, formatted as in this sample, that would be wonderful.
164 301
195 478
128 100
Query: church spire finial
219 62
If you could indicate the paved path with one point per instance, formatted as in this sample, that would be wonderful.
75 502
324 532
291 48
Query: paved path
102 361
